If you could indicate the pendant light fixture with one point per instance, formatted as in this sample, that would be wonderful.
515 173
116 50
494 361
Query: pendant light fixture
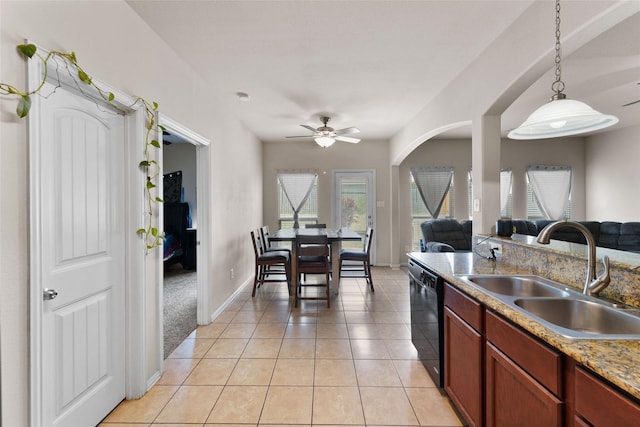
561 116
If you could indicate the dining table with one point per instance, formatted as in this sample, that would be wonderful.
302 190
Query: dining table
335 238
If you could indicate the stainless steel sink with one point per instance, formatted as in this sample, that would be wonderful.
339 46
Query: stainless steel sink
561 309
581 318
517 286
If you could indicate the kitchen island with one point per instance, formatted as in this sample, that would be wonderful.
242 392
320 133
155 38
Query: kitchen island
615 361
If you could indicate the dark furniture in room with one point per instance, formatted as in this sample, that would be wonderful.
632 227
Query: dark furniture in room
265 260
623 236
312 257
447 234
179 242
358 262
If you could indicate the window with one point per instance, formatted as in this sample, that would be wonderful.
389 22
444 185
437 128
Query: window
470 193
506 196
420 213
296 185
548 192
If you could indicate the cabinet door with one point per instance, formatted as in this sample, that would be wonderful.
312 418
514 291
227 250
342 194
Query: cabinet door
514 398
463 367
601 405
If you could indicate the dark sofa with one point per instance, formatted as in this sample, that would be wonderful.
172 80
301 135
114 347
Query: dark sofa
624 236
449 234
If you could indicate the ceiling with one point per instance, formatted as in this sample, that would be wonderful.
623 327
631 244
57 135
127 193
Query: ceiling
376 64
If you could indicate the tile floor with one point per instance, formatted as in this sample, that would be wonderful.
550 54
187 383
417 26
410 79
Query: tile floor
263 362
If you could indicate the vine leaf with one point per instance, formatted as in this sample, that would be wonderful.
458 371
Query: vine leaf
84 77
27 50
24 105
152 236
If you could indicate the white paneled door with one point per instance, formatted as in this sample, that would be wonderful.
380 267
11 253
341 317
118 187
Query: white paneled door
81 204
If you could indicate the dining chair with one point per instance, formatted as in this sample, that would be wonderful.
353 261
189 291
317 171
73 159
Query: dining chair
312 257
264 232
315 226
354 257
267 259
268 247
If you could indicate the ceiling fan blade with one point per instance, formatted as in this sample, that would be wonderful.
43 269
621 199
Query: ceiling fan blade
631 103
347 139
300 136
309 127
347 131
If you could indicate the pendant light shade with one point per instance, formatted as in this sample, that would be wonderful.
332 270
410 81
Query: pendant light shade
561 116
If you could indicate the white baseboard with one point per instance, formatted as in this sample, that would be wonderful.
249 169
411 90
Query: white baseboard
222 308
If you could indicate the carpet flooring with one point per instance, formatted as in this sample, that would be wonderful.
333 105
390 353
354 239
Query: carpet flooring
180 300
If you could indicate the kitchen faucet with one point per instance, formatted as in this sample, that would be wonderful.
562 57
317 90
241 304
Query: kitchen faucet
592 284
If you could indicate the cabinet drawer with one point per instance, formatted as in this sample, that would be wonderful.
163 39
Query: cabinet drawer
541 362
602 405
466 308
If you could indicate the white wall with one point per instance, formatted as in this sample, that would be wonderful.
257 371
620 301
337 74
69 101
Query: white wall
613 175
305 154
516 155
116 47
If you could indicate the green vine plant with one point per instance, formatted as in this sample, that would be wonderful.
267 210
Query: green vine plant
153 238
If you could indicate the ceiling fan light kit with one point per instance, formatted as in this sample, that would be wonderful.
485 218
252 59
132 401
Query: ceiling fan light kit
324 141
561 116
325 136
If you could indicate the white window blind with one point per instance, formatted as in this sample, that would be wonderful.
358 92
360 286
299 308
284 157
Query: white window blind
506 199
296 187
433 184
551 187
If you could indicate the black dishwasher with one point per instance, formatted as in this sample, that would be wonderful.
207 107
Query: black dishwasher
427 324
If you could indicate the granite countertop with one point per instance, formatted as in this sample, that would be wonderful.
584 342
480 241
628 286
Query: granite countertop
618 361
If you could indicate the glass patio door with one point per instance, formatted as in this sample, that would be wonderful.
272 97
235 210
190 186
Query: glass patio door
354 205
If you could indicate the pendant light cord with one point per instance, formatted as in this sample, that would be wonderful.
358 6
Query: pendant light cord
558 85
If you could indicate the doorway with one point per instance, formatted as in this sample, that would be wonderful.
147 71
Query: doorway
180 209
184 302
353 207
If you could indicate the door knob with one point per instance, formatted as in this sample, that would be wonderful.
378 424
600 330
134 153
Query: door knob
49 294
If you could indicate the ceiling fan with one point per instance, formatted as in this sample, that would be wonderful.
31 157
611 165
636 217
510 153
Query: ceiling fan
325 136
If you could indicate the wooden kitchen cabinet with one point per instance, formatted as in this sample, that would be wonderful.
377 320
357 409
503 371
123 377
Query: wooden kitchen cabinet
523 378
497 374
599 404
515 398
463 354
